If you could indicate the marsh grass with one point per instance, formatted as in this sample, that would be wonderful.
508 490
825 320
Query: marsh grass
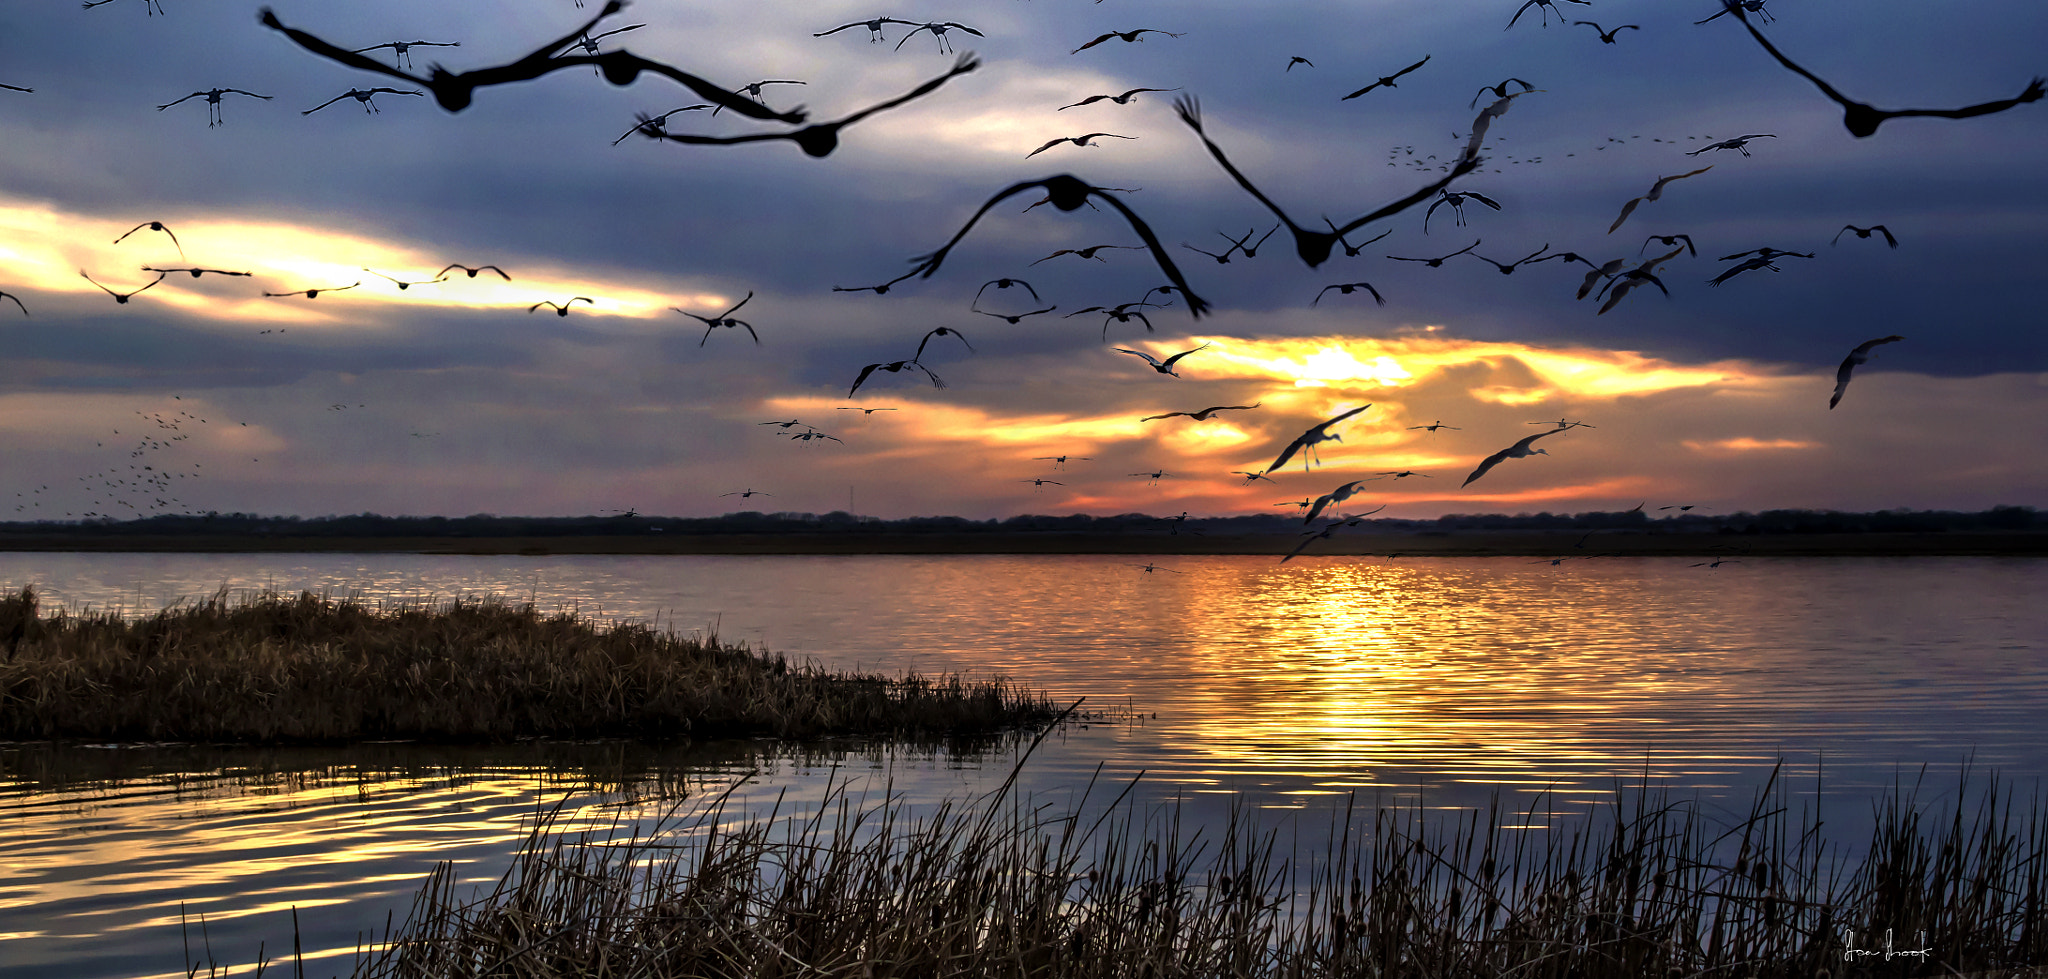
1002 889
276 668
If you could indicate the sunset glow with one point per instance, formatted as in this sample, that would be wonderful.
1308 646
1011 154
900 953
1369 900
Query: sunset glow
461 394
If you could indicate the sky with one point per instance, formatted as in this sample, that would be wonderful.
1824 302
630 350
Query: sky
453 397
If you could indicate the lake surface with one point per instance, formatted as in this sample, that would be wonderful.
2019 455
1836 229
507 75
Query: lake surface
1284 688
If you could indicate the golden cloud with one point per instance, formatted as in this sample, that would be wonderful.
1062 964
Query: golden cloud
46 248
1746 444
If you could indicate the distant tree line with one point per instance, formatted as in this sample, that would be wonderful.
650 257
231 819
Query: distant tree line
1999 518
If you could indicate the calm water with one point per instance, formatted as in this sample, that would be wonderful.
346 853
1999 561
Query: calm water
1284 687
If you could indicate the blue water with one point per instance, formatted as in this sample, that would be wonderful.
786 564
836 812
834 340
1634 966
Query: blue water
1286 689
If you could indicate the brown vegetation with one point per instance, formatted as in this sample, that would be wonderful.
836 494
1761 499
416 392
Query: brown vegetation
276 668
1009 890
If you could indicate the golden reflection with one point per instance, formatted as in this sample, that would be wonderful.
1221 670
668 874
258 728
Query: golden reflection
1334 669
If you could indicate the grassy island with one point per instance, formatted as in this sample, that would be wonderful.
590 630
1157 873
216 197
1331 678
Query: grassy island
274 668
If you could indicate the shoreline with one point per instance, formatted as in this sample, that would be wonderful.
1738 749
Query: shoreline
1476 543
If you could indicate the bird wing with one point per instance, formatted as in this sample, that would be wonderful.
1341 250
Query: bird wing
913 33
1626 210
1306 541
1050 145
1483 199
1657 189
622 30
1170 360
1441 201
1091 44
1465 166
1842 378
2034 92
1315 430
932 260
1287 453
1196 304
1190 110
106 290
350 58
1825 88
327 103
1169 414
1338 495
864 372
1148 357
736 306
1495 459
961 66
1865 346
1341 417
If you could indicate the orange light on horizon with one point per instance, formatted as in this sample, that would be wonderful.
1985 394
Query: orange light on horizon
1488 393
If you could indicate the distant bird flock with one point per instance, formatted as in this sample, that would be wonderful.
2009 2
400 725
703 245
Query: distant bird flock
1609 280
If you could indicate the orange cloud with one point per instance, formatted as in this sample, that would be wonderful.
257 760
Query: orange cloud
1746 444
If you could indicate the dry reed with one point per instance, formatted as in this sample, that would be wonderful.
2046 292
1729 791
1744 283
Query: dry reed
1001 890
275 668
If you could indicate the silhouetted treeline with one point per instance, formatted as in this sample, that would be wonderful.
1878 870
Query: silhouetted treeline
483 525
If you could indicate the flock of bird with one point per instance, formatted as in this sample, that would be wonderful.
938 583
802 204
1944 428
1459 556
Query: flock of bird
1608 280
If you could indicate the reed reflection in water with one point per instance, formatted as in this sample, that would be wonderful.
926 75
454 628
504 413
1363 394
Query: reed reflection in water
1436 681
1328 673
121 864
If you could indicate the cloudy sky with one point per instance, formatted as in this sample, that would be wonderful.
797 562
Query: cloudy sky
452 398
